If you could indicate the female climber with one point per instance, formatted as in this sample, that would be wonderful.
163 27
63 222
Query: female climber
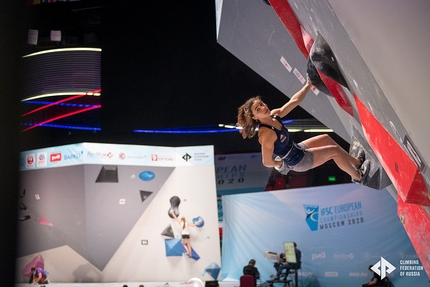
281 152
185 233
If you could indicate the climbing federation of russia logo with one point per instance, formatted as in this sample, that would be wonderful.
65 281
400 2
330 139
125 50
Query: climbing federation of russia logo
383 267
335 216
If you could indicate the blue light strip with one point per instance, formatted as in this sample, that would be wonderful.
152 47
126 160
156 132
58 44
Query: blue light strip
181 130
68 127
186 131
195 130
60 104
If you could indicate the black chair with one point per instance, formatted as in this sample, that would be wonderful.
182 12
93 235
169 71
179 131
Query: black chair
294 270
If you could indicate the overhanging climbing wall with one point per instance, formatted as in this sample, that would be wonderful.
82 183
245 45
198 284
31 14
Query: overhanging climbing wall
371 66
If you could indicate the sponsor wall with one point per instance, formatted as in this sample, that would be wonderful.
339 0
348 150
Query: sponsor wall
340 229
101 213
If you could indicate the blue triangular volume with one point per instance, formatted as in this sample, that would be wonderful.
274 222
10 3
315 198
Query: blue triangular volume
213 270
173 247
194 254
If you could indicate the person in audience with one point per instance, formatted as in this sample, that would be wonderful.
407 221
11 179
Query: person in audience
286 265
282 260
376 280
38 276
250 269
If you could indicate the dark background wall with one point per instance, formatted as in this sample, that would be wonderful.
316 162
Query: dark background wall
10 80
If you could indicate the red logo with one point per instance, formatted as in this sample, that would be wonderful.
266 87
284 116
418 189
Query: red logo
55 157
109 155
122 155
30 159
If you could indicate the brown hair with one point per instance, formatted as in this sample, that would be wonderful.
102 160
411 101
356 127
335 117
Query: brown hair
245 120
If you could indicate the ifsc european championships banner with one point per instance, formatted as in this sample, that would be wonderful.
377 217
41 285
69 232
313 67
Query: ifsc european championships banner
239 173
340 229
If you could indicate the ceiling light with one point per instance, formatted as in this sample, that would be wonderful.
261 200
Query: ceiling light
294 130
318 131
62 50
229 126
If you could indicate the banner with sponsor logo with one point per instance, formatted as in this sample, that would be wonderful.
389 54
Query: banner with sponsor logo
341 230
96 153
239 173
186 156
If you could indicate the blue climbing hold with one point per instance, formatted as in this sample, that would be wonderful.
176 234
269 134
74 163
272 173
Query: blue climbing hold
146 175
